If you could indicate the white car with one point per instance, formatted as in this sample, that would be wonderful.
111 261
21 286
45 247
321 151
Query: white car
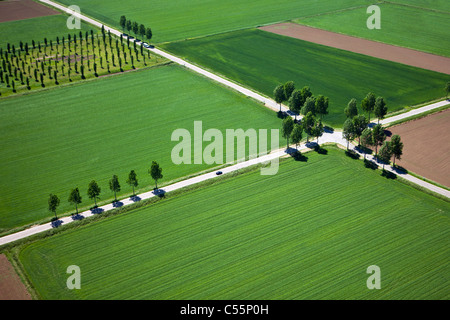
146 45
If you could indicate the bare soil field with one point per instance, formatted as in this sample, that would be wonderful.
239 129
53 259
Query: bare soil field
11 287
12 10
426 148
370 48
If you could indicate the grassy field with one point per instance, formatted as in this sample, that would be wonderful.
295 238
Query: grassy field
61 138
309 232
37 29
404 26
265 60
438 5
175 20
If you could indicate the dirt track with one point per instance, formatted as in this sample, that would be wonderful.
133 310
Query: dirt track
11 288
370 48
426 149
11 10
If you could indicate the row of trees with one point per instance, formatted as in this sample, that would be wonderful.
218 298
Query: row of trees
94 189
300 101
356 126
293 130
138 29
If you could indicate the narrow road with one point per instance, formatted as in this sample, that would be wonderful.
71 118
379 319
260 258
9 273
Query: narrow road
327 137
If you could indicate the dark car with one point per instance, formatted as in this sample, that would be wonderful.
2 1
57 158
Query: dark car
219 173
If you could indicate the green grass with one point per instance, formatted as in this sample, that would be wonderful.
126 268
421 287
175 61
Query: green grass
439 5
37 29
262 60
180 19
309 232
61 138
409 27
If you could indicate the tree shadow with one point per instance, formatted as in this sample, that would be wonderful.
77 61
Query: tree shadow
399 169
362 149
77 217
388 174
320 150
135 198
388 133
328 129
298 156
97 210
281 114
56 223
352 154
117 204
370 164
159 192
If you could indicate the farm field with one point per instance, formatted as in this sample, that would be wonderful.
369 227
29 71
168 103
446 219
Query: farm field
426 150
174 19
438 5
405 26
37 29
265 60
58 139
308 232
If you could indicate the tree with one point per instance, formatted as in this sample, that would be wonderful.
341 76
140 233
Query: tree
128 26
359 123
378 137
348 131
148 33
75 198
366 139
380 109
286 129
279 94
142 30
385 153
321 106
289 87
296 102
318 130
53 203
297 134
396 147
156 173
306 92
368 103
351 110
132 180
135 28
309 123
94 191
114 186
123 22
309 106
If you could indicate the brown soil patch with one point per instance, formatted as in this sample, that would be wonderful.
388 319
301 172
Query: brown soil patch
367 47
426 149
11 287
12 10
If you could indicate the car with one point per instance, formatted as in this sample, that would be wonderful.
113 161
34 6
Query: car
146 45
219 173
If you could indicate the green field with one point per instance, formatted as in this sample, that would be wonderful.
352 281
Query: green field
262 60
404 26
37 29
55 140
438 5
309 232
180 19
